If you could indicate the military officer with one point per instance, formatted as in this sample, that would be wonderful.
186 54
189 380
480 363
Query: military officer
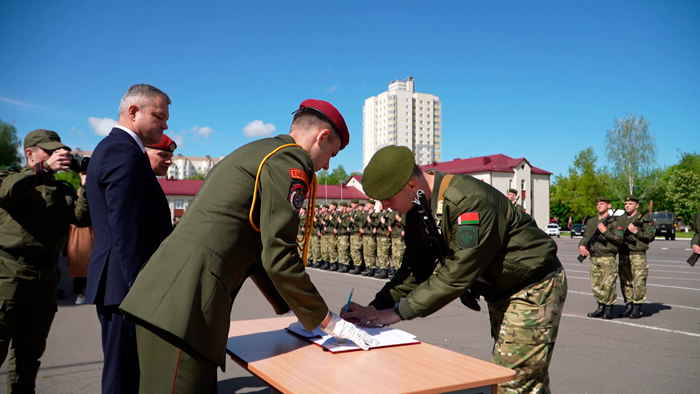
369 239
160 155
36 212
485 245
343 237
512 195
242 223
355 237
606 239
383 245
633 268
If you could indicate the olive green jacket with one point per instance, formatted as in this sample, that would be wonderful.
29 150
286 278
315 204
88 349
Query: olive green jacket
36 212
613 236
188 286
644 235
500 254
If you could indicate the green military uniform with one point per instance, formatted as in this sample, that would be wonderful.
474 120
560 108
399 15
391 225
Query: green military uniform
369 243
356 241
398 247
633 267
493 249
603 262
332 234
343 239
383 245
326 235
315 241
36 212
181 301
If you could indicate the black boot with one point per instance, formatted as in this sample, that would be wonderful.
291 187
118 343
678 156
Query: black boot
317 264
356 271
598 312
636 311
392 271
608 314
369 272
326 266
343 268
628 310
383 273
334 267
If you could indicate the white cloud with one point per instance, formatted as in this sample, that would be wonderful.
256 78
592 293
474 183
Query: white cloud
257 128
102 126
203 131
20 104
332 88
179 140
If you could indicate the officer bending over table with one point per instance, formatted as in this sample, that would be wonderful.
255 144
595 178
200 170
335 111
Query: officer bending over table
36 212
242 223
487 247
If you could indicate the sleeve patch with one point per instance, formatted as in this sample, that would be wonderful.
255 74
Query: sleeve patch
297 194
467 237
296 173
468 218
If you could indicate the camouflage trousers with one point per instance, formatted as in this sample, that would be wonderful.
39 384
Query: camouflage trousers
525 327
333 248
315 247
633 277
343 249
369 250
398 247
356 249
604 279
383 252
325 247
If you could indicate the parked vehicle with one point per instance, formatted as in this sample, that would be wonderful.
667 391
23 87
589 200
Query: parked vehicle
553 229
664 224
577 229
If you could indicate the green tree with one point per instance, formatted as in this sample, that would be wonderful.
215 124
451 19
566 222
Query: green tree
69 176
9 145
335 177
579 189
683 192
197 176
631 149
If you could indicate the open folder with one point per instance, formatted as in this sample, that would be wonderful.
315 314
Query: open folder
384 335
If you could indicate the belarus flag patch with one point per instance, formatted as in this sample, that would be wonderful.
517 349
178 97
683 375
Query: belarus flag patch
468 218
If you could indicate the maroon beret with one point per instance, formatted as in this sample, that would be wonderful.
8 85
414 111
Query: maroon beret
166 144
332 115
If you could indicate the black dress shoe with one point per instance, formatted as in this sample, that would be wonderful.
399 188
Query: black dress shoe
628 310
636 311
598 312
608 314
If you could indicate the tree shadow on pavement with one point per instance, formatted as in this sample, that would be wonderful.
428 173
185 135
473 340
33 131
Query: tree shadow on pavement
247 384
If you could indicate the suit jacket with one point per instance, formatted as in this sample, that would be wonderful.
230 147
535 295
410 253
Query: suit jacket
185 292
130 215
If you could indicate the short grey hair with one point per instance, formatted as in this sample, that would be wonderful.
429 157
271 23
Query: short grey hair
141 95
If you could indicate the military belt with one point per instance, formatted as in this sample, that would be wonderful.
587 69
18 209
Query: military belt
40 261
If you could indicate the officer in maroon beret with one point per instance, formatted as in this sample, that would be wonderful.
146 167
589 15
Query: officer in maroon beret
161 155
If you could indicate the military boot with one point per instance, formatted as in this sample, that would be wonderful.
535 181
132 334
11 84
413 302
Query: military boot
383 273
636 311
317 264
608 314
356 271
334 267
326 265
369 272
628 310
343 268
598 312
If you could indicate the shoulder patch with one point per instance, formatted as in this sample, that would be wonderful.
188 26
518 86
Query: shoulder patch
297 194
296 173
467 236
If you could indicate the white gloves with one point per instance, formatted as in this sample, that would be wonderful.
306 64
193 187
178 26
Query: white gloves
341 330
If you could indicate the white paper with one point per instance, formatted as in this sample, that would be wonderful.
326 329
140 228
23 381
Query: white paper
385 336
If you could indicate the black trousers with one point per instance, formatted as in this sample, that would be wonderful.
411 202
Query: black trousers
120 373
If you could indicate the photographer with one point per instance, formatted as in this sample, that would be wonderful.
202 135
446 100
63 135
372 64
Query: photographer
36 211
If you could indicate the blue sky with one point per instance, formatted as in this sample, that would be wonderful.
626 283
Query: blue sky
540 80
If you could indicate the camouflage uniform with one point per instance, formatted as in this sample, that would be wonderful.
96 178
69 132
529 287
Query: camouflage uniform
343 238
326 235
397 245
383 241
332 238
633 266
369 241
315 240
603 261
356 238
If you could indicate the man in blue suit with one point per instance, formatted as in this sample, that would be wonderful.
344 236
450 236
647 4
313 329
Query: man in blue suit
131 218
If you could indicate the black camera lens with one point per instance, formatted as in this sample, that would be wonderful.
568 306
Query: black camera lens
79 163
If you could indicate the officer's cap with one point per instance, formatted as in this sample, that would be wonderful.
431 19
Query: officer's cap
603 199
328 111
388 172
44 139
166 144
632 197
512 191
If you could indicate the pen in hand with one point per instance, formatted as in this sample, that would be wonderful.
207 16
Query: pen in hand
349 299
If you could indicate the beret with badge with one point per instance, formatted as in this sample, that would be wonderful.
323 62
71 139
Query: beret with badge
166 144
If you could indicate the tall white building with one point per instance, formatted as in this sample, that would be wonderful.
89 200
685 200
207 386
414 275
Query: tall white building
187 166
400 116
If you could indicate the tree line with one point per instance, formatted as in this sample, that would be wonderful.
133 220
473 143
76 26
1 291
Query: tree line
631 152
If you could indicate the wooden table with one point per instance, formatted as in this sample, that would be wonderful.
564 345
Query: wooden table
292 365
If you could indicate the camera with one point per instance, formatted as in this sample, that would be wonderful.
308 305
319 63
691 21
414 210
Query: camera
79 163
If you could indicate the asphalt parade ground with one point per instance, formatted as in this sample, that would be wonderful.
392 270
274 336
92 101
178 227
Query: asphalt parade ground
659 353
